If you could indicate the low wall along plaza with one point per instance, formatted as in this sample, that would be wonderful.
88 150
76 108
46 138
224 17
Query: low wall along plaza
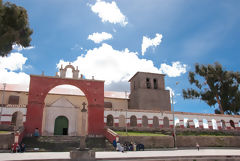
183 141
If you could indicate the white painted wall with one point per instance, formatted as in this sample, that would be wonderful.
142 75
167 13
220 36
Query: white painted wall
62 107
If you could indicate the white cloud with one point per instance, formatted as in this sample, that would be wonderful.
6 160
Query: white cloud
106 63
99 37
20 47
147 42
8 66
14 61
109 12
175 70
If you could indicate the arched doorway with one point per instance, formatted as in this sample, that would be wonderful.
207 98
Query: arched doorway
205 124
133 121
196 123
165 122
41 85
109 120
61 126
17 119
68 101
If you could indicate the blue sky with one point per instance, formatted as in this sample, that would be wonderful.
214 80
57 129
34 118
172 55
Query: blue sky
107 39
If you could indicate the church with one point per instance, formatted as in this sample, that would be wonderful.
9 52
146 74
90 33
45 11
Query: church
87 109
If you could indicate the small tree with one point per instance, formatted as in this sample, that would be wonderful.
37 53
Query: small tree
214 85
14 27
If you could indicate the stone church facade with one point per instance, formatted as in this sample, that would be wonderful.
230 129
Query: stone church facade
89 109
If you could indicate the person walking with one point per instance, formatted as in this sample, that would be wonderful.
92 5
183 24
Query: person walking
197 145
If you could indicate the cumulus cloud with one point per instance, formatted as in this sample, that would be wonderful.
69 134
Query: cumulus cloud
147 42
109 12
99 37
13 62
106 63
9 67
20 47
175 70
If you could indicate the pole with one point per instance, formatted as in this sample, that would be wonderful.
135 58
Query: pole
174 130
4 86
126 123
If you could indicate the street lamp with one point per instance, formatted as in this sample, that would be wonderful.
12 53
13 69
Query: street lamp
174 128
4 86
126 122
126 96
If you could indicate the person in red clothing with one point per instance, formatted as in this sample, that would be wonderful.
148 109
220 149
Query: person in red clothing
15 148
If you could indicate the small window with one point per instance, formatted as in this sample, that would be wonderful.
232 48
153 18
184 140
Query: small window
148 84
107 104
134 85
13 100
155 83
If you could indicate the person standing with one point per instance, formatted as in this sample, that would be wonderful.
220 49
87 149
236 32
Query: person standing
197 145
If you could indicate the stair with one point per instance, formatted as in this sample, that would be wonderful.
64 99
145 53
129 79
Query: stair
65 143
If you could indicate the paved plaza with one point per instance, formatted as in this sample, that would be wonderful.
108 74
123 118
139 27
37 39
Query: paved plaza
123 156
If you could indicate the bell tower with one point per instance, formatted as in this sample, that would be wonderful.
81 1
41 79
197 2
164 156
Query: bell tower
148 92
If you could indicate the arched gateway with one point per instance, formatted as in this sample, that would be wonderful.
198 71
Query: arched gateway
41 85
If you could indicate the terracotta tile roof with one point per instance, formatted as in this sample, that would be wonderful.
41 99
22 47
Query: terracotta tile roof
64 91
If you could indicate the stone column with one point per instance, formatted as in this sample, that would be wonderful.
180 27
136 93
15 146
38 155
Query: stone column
210 125
219 125
200 124
139 122
181 123
161 123
171 123
83 129
191 124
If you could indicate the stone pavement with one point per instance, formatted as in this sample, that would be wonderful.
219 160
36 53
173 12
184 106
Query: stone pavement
34 156
168 153
120 155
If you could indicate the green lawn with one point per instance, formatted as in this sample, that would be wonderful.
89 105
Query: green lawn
134 133
4 132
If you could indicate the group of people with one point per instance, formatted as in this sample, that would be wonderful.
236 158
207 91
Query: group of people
18 148
127 146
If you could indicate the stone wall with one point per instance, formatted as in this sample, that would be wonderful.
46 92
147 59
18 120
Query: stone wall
149 141
208 141
5 127
183 141
6 140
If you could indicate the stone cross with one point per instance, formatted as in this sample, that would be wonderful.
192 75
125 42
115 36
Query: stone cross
84 109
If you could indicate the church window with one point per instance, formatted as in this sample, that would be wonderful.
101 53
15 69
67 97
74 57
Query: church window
148 84
155 83
14 100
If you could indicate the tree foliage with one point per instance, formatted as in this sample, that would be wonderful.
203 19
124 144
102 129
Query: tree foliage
14 27
214 85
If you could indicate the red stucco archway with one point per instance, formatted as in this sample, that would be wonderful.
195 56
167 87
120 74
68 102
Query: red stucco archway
41 85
